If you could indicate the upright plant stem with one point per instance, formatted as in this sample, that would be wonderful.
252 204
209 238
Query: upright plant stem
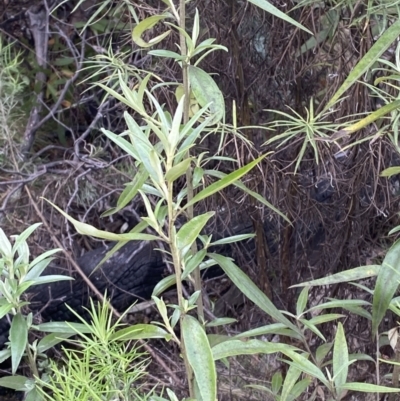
185 79
189 176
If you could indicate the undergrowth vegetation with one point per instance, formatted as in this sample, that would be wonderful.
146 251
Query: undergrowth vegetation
319 167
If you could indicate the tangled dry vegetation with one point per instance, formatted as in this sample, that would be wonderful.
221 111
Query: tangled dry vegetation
341 209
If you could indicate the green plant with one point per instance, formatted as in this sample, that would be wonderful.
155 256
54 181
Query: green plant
12 83
310 130
17 276
161 163
100 365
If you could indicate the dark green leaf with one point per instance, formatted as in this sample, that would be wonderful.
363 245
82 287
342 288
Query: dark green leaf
200 357
18 339
386 285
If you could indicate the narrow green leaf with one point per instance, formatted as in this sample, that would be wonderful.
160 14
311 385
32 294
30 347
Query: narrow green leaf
339 304
164 284
130 191
129 102
193 262
254 194
269 8
178 170
206 92
196 28
36 269
372 117
302 363
190 230
262 389
322 351
325 318
250 290
87 229
122 143
357 273
274 328
142 89
5 245
340 361
276 382
4 309
18 340
373 54
24 236
369 388
299 388
5 354
18 383
232 239
173 137
145 25
156 165
140 332
230 348
63 327
386 285
222 321
313 328
388 172
49 279
291 378
200 357
51 340
302 301
166 53
224 182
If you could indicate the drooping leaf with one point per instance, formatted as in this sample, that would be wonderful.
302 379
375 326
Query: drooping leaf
190 230
18 340
373 54
87 229
274 328
193 262
222 321
357 273
4 309
291 378
63 327
224 182
178 170
269 8
386 285
140 332
369 388
164 284
254 194
51 340
206 91
129 192
388 172
371 117
322 351
145 25
232 239
251 291
17 382
54 278
200 358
